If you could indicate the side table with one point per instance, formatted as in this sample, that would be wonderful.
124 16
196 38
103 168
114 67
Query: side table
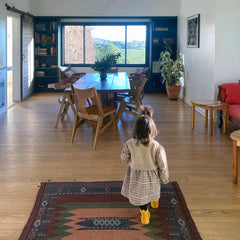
235 136
210 105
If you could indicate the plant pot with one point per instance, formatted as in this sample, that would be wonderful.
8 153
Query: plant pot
103 75
173 91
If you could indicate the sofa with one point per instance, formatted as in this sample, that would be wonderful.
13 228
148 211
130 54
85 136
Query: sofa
230 93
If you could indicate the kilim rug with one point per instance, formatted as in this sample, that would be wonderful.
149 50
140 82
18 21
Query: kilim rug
97 211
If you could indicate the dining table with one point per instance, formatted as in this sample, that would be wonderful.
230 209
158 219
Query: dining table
115 82
107 89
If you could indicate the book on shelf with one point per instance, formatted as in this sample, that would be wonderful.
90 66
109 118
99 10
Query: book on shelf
40 73
43 38
37 63
54 25
40 26
52 50
41 51
37 38
51 25
53 37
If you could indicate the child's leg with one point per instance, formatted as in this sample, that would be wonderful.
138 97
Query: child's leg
145 214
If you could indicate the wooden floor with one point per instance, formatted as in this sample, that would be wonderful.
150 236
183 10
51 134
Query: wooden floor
33 151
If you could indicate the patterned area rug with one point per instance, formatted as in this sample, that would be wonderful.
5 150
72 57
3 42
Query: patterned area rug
96 210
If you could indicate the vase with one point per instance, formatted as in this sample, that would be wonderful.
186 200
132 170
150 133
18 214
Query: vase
103 75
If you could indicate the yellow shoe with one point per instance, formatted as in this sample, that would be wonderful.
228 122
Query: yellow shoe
155 204
145 217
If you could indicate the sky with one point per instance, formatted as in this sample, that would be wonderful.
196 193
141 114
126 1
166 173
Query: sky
117 33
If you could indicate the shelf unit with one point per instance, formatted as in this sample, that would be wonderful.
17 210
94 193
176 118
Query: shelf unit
46 53
162 29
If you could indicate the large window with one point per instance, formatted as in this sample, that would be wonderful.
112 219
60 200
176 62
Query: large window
83 44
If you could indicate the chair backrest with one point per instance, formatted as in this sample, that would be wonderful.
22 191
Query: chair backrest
138 86
228 92
113 70
133 80
145 71
136 75
81 97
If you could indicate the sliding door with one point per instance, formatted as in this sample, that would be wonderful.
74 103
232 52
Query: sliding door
3 74
27 57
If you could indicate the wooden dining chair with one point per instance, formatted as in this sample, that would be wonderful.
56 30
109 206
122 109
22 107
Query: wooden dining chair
95 114
132 76
131 104
65 101
113 70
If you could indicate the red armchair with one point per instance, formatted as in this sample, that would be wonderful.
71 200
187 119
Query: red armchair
230 93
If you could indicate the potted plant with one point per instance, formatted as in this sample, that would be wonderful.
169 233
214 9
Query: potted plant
171 72
105 64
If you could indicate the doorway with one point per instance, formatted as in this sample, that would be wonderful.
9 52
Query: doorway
13 60
9 61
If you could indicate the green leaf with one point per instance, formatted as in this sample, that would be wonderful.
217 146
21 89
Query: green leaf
106 63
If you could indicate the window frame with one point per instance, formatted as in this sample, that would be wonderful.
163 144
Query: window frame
125 24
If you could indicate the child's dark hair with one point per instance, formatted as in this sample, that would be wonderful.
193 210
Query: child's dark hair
144 130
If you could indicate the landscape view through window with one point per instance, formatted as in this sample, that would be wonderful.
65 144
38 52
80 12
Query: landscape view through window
86 44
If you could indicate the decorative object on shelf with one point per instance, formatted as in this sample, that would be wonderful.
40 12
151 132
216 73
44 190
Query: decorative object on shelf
43 65
105 64
193 31
171 72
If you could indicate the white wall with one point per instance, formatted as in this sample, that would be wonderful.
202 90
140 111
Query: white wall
217 60
227 41
199 62
104 7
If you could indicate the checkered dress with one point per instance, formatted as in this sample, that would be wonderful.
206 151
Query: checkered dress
147 168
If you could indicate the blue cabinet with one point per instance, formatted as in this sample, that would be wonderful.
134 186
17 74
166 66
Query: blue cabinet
162 29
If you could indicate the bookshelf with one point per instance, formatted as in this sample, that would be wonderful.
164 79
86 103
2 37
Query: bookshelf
162 29
46 53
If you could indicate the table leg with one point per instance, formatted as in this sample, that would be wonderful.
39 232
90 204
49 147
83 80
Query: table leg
225 121
235 161
193 115
105 99
206 118
211 122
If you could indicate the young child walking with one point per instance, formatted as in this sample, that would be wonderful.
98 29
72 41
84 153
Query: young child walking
147 166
